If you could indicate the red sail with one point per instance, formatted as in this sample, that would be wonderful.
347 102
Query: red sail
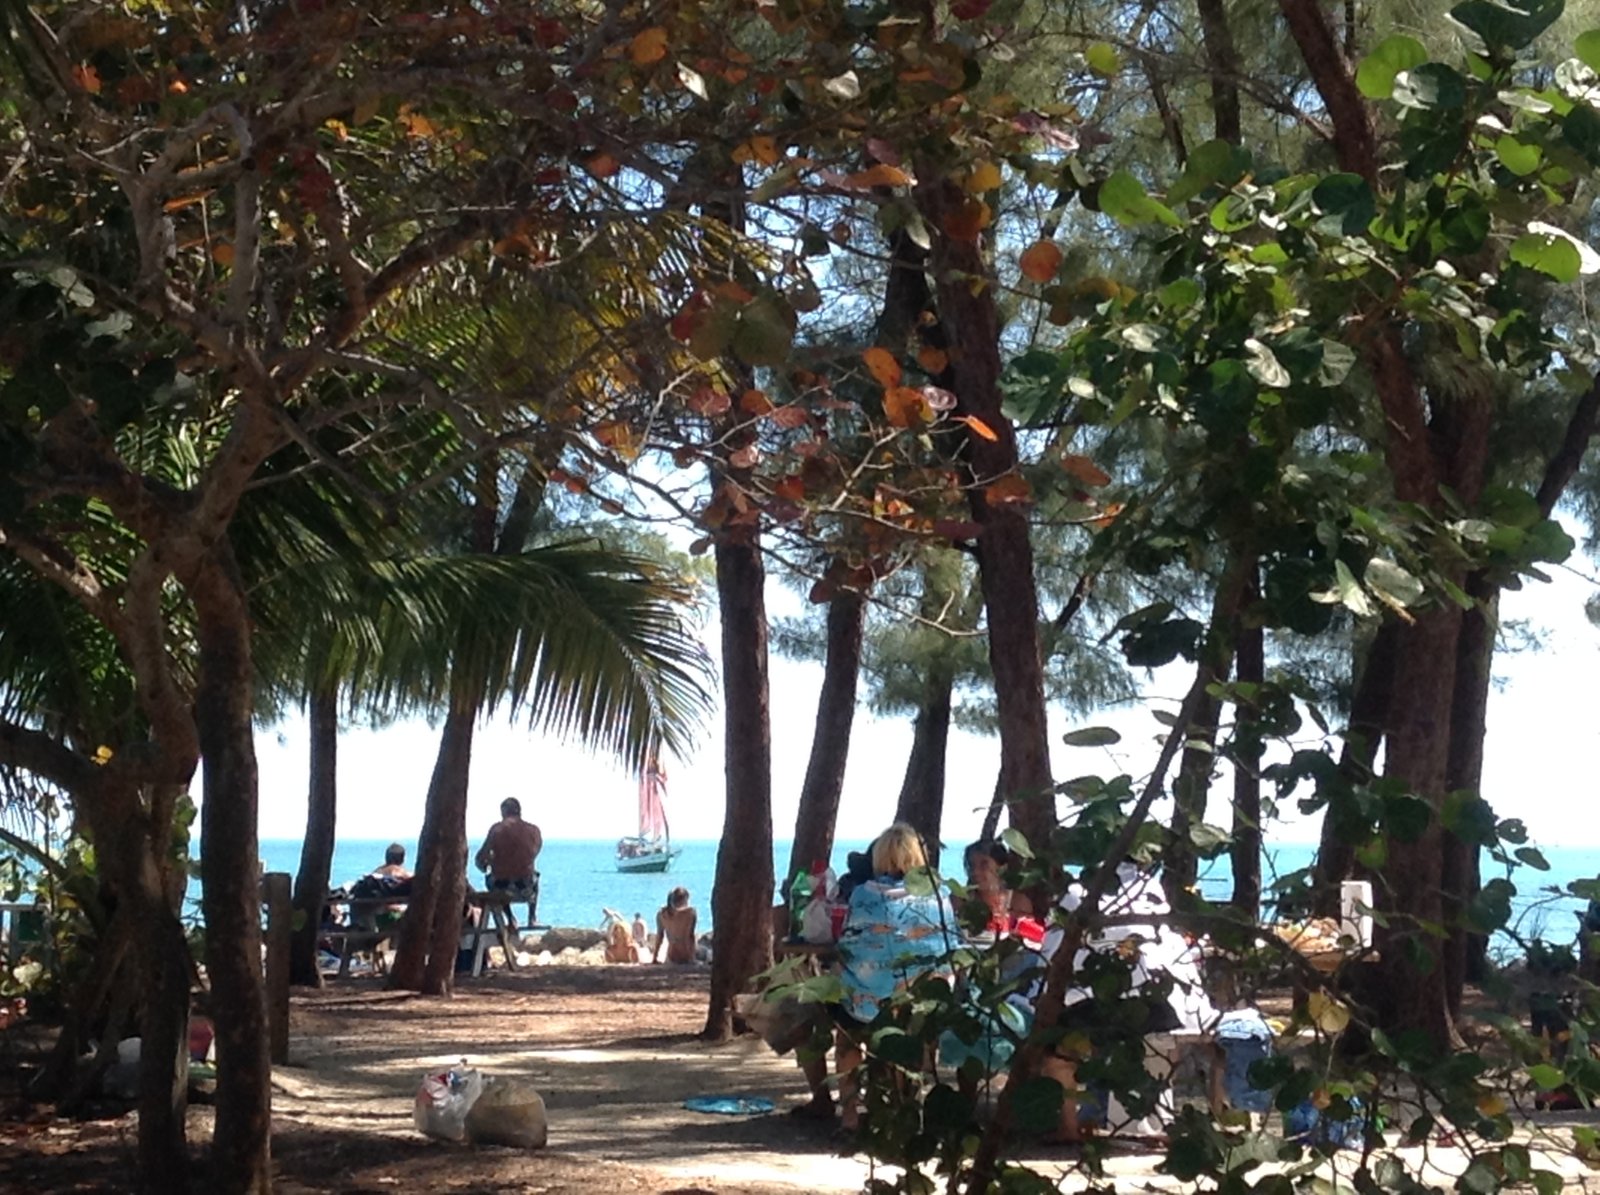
652 807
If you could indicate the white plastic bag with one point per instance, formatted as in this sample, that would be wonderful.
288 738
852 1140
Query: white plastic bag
443 1101
509 1112
817 925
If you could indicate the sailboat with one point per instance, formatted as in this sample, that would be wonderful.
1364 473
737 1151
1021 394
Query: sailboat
651 849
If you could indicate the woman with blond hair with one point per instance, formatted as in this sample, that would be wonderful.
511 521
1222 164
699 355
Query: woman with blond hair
891 938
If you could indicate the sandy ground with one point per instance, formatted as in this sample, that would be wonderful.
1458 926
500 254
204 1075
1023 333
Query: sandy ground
613 1051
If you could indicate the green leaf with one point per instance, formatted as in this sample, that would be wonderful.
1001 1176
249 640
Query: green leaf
1337 362
1351 595
1123 198
1103 59
1517 156
1507 24
1179 293
1016 842
1548 1182
1587 48
1346 199
1037 1105
1393 582
1264 365
1552 255
1433 85
1546 1077
1376 74
1091 736
1533 857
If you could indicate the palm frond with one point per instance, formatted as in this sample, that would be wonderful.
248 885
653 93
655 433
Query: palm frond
580 641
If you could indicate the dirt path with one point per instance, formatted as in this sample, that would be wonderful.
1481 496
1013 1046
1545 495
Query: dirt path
612 1050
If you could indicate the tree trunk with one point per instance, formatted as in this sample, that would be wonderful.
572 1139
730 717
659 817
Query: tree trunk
970 320
1460 877
1250 668
316 852
447 794
921 801
430 932
741 901
438 884
230 866
1414 986
1192 787
1222 60
830 743
1369 710
132 842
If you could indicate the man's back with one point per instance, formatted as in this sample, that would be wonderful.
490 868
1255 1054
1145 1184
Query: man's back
512 845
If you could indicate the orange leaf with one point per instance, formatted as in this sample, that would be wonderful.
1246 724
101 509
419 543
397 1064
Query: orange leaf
1084 470
648 46
978 426
880 175
417 125
602 165
761 150
968 220
755 402
1040 261
882 366
985 176
791 488
707 401
932 360
1013 487
904 406
1108 517
790 417
222 253
87 78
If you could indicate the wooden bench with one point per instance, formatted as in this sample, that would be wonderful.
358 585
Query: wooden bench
362 934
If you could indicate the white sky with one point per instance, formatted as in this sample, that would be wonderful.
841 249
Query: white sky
1544 739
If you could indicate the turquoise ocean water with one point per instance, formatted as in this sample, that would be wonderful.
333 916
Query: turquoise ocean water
579 878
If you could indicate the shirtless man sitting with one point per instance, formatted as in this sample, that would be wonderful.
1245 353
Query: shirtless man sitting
508 854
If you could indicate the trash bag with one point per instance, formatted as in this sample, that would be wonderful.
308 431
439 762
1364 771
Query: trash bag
508 1112
443 1101
1244 1038
1305 1124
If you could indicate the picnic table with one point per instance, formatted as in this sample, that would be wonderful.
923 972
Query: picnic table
370 922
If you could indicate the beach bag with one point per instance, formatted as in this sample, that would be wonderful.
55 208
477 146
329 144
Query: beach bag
443 1101
508 1112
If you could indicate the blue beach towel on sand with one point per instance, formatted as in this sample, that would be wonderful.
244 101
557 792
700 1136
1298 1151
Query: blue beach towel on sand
730 1105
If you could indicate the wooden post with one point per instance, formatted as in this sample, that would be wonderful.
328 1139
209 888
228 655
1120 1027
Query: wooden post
280 916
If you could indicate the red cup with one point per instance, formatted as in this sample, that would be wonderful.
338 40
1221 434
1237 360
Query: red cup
837 915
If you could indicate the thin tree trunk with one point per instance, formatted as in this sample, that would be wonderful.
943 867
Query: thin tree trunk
447 795
430 932
830 742
741 898
1369 710
316 852
1468 718
1222 60
230 862
970 320
1250 668
155 986
1191 789
921 801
